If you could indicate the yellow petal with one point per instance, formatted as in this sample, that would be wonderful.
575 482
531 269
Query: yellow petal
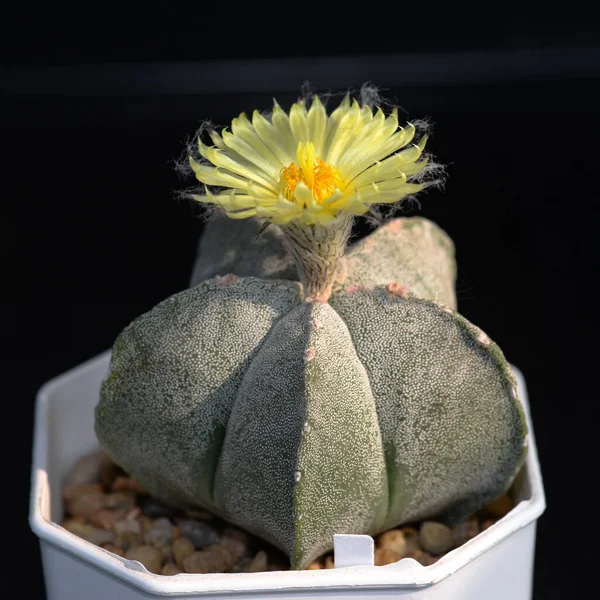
299 122
359 155
242 128
317 124
241 166
341 137
281 122
244 149
271 138
414 168
216 139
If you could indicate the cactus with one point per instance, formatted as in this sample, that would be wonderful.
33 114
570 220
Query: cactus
299 389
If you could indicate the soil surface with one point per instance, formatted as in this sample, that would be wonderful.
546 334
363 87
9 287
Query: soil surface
106 507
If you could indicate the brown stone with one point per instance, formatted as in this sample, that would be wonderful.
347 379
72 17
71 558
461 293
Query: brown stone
134 513
314 566
108 470
122 500
392 540
160 534
114 549
214 559
200 515
423 558
435 537
126 484
259 562
145 523
465 531
487 523
182 548
74 520
87 504
74 491
150 557
170 569
128 533
86 469
200 534
499 507
411 537
106 519
384 556
89 533
241 566
235 540
329 562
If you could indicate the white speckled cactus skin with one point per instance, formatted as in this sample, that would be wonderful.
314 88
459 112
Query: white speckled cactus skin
299 419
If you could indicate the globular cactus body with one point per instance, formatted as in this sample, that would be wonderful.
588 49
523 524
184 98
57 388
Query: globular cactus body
296 418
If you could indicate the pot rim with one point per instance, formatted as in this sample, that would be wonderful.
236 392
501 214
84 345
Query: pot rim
407 573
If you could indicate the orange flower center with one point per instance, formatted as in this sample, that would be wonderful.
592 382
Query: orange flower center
320 177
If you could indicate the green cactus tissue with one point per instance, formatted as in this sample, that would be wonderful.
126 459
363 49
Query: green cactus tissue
301 388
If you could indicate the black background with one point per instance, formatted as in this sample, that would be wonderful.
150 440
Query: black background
95 107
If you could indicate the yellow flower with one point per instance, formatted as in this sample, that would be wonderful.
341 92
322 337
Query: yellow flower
309 165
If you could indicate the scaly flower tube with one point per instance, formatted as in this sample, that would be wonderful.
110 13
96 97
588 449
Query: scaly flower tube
310 166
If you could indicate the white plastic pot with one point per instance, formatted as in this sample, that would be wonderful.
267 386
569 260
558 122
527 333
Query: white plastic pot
496 565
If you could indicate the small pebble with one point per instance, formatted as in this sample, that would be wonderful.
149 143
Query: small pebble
74 491
423 558
499 507
465 531
200 515
150 557
214 559
236 547
87 504
486 524
411 537
161 537
160 534
106 519
235 540
435 537
122 500
154 509
329 562
128 533
134 513
181 549
241 566
393 540
259 562
170 569
86 469
314 566
145 522
108 471
384 556
74 520
126 484
114 549
200 534
88 532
